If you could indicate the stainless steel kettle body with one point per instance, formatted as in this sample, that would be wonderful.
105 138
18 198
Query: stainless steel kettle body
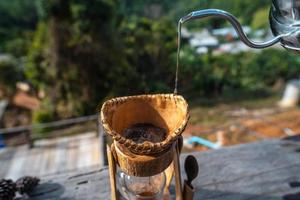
284 22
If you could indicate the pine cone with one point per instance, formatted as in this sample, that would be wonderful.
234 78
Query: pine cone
26 184
7 189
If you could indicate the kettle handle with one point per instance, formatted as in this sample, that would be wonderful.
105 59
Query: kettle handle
234 22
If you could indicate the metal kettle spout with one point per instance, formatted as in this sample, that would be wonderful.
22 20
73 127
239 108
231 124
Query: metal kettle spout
234 22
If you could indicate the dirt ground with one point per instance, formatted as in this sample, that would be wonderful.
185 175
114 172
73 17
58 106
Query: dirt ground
236 125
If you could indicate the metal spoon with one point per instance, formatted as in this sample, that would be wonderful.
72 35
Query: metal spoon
191 169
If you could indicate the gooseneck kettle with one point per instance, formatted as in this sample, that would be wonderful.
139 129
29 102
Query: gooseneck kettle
284 22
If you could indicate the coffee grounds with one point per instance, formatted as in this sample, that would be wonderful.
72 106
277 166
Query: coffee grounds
142 132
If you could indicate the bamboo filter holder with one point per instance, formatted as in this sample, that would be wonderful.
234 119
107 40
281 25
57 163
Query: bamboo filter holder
167 111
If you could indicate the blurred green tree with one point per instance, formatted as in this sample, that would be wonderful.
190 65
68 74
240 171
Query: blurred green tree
73 55
261 19
83 52
150 48
10 73
17 22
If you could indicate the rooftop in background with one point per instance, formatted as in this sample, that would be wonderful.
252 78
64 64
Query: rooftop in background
24 100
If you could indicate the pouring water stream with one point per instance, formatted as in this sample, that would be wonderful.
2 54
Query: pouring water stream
283 33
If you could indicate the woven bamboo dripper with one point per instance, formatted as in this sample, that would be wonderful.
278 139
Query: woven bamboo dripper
167 111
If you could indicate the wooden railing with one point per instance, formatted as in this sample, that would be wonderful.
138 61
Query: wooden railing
28 130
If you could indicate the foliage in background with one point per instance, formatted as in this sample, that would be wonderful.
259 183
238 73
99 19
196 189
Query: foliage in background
244 10
17 22
149 47
10 74
261 19
212 75
72 59
81 52
84 52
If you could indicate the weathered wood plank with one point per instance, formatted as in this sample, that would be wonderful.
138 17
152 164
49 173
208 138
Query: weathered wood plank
17 163
50 156
32 163
267 170
6 156
72 154
49 149
85 153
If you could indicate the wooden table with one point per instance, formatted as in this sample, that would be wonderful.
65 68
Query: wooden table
266 170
